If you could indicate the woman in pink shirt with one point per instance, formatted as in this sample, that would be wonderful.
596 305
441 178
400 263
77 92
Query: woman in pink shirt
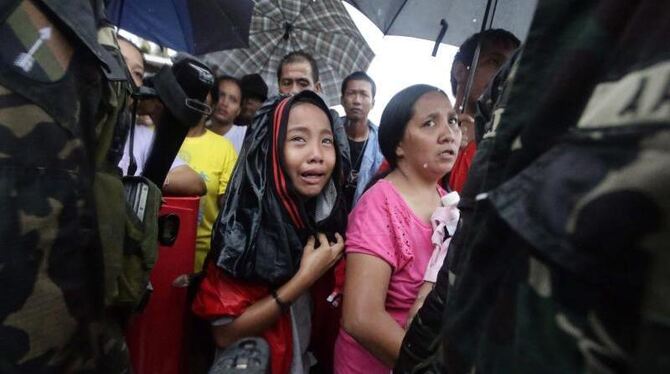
388 241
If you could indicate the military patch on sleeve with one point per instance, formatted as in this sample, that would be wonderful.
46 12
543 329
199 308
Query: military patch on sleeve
641 97
33 46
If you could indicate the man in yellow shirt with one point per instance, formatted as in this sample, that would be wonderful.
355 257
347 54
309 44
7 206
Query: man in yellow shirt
213 157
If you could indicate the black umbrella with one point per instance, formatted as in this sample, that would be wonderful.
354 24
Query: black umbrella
446 21
193 26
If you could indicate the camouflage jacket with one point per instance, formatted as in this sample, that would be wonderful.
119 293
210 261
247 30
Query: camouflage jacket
561 263
58 138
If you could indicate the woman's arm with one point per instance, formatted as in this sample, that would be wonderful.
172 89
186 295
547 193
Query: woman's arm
263 313
364 314
184 181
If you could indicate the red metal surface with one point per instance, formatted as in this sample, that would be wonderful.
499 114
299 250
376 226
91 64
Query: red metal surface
156 337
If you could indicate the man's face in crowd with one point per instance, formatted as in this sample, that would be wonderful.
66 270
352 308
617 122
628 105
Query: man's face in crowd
490 61
228 106
296 77
249 107
134 60
357 100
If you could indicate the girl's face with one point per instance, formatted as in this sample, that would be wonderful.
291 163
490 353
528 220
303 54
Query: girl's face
432 137
309 149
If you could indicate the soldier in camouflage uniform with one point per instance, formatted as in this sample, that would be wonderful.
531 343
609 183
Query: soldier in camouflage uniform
60 252
561 263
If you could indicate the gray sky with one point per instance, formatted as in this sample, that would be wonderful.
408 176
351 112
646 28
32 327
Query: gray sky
401 62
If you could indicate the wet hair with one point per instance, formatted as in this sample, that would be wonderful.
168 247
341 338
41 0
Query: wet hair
490 38
299 56
253 86
395 117
359 76
223 78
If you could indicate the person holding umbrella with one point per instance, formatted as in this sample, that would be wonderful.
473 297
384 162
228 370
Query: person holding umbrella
497 46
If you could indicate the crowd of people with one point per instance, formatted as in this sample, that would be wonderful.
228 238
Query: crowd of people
390 180
328 167
325 234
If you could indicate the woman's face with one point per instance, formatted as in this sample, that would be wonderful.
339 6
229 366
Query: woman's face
432 137
309 149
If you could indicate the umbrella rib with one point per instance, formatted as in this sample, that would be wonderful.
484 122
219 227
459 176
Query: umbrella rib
321 31
184 31
300 11
395 16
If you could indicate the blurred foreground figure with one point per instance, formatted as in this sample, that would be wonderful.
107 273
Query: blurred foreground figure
62 87
561 260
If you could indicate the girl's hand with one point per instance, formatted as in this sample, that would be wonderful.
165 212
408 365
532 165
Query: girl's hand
315 261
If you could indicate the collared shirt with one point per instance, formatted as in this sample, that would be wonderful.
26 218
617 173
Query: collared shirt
371 159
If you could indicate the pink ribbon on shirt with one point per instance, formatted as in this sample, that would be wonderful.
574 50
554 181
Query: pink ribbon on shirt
444 221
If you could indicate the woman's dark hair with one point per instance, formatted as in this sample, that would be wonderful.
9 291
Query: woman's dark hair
393 123
395 117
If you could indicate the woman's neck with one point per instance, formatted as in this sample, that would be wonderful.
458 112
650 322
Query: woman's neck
420 193
409 178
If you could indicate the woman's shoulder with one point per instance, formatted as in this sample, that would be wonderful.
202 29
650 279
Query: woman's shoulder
378 193
381 199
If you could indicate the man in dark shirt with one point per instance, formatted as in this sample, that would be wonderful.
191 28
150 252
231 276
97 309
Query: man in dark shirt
497 45
358 98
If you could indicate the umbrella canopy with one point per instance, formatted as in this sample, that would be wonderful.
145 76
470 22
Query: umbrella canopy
193 26
322 28
423 18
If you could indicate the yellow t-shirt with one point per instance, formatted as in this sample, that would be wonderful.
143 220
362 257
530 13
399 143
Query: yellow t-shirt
213 157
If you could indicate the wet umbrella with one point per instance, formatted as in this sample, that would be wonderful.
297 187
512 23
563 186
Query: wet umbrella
193 26
450 21
446 21
322 28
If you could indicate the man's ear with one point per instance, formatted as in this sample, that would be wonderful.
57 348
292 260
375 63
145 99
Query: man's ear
460 72
342 100
317 87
